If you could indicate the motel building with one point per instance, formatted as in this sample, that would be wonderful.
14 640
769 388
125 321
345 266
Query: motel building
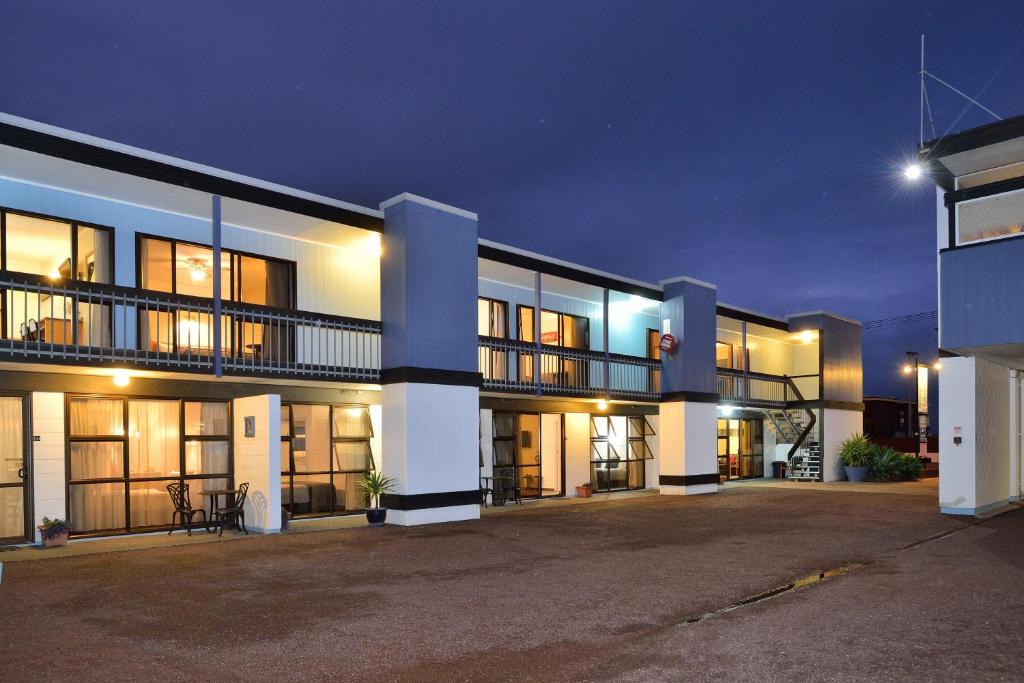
979 175
164 322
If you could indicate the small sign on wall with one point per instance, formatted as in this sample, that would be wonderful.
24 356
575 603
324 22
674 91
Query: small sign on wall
250 426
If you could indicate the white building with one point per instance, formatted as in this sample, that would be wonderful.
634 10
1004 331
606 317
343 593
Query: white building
168 323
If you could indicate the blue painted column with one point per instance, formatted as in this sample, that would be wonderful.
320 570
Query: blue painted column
429 363
687 421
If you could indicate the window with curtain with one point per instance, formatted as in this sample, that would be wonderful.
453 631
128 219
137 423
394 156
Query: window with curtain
325 451
177 267
59 250
123 453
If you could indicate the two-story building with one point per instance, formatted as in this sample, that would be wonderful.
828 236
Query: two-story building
164 322
979 175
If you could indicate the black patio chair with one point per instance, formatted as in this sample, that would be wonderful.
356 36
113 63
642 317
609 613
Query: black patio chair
234 513
183 510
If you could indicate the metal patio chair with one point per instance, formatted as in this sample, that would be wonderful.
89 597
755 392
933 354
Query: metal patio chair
183 510
233 513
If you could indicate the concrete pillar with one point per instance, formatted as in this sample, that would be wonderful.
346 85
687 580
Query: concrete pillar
687 420
974 436
258 459
49 497
431 383
835 425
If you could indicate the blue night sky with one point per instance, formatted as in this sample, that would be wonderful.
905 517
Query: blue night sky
755 145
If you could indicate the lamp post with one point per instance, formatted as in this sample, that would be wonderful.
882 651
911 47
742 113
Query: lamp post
918 371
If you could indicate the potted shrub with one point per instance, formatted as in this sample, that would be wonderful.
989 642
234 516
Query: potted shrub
375 485
54 532
855 452
585 490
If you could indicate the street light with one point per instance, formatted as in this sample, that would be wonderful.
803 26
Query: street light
914 367
912 172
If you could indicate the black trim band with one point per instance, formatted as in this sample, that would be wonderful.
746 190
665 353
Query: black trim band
429 501
568 272
973 138
733 314
691 396
455 378
687 479
547 404
140 167
826 403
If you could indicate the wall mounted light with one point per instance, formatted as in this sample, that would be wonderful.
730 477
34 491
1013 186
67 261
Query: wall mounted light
602 404
122 378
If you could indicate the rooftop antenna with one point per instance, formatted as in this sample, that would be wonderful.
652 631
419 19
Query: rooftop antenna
925 104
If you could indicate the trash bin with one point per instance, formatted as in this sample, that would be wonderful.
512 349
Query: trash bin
779 469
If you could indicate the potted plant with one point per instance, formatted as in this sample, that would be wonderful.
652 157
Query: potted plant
54 532
375 485
855 452
585 490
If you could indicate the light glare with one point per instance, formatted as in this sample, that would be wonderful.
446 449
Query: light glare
912 172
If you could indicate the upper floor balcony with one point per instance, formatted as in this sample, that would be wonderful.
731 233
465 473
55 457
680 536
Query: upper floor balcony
589 339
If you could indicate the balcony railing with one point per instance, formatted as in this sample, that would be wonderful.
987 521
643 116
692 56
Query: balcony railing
85 323
759 390
508 365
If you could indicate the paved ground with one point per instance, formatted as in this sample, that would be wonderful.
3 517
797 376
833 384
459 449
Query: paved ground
601 591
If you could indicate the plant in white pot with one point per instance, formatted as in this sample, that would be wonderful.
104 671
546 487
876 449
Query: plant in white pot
855 452
54 532
375 485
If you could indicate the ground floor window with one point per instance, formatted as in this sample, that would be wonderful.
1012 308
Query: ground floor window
619 450
122 454
325 451
740 448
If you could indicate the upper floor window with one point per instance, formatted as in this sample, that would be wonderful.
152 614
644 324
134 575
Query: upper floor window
56 248
556 329
492 318
177 267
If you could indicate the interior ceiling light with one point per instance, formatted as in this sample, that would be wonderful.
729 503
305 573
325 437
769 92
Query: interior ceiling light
197 269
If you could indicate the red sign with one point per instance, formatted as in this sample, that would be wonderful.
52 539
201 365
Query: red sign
668 343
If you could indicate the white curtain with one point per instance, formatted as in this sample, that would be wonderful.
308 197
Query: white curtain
12 504
153 440
95 507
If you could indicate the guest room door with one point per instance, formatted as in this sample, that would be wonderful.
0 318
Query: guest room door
14 526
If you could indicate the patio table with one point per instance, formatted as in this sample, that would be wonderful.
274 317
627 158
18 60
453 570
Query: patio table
214 495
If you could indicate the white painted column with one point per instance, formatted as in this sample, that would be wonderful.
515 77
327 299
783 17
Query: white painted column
258 460
431 447
835 426
49 492
577 451
688 448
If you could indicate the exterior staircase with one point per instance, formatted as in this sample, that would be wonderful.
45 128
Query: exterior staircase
791 426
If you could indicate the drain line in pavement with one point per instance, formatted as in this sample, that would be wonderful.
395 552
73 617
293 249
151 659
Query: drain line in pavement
802 582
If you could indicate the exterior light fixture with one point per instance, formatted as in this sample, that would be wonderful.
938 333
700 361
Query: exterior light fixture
726 410
912 172
121 378
907 369
937 365
602 404
807 336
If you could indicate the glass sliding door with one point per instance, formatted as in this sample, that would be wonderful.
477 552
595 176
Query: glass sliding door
325 452
740 448
123 453
529 449
13 479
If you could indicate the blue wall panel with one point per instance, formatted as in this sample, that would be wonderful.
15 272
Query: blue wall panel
981 295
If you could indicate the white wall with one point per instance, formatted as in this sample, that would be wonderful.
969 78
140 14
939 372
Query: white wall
654 442
577 451
836 425
431 445
258 460
688 444
330 279
974 476
48 468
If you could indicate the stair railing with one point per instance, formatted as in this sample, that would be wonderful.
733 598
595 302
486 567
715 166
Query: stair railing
811 421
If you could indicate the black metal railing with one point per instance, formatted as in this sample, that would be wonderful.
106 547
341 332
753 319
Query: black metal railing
87 323
508 365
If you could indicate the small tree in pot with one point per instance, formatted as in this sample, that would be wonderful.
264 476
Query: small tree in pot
54 532
855 452
375 485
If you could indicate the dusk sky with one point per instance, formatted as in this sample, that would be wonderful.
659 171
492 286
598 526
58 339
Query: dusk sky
754 145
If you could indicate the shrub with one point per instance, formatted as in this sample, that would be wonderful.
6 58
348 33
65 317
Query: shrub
887 464
855 450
